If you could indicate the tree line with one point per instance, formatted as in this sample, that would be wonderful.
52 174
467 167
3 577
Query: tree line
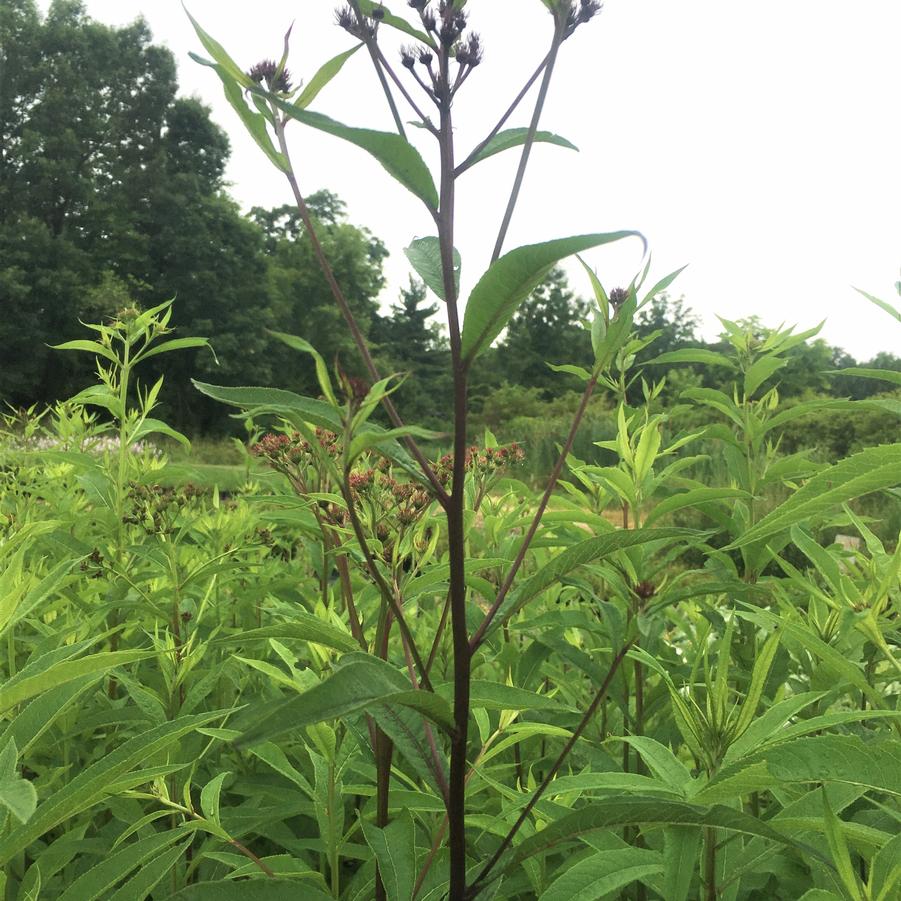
113 195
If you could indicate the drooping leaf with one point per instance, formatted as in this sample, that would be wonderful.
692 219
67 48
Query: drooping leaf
621 811
275 400
302 627
355 686
394 848
692 355
424 255
510 280
515 137
603 873
870 470
396 155
592 550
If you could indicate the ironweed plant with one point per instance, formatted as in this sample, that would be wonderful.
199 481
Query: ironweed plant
370 673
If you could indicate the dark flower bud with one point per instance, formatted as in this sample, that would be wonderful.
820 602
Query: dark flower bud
618 296
429 21
268 71
645 590
378 13
425 57
344 16
418 5
407 58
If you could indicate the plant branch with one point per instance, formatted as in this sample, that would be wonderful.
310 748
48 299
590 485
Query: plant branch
504 590
376 56
530 137
347 313
474 888
382 585
470 161
406 94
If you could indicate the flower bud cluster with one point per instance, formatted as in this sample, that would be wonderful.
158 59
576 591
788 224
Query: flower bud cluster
281 450
481 461
156 507
267 70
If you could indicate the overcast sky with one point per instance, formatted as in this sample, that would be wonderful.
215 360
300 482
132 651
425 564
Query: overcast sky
756 142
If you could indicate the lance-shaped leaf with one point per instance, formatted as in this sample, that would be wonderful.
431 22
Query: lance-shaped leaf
424 255
358 685
692 355
394 848
602 874
612 813
510 280
326 72
515 137
871 470
275 400
592 550
93 784
882 304
884 375
397 155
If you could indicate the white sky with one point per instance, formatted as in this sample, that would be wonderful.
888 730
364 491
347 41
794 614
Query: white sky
757 142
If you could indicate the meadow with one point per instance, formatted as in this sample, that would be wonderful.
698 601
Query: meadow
653 652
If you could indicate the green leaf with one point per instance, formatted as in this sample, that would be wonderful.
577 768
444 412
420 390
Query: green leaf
661 761
174 344
66 671
837 758
388 18
692 355
497 696
275 400
838 846
322 374
326 72
870 470
114 867
592 550
303 627
394 848
760 371
250 890
209 797
510 280
603 873
882 304
93 784
397 155
150 875
157 427
256 124
424 255
19 797
92 347
885 870
609 813
220 55
695 497
355 686
515 137
680 860
886 375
